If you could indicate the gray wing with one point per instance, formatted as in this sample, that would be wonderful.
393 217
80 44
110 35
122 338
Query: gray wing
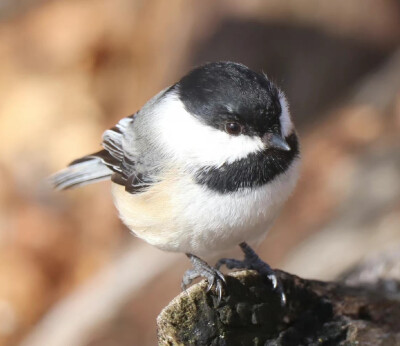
114 162
116 142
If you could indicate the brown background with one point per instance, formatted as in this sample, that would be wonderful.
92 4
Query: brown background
70 273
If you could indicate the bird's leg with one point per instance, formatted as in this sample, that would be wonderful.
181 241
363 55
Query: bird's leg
252 261
201 269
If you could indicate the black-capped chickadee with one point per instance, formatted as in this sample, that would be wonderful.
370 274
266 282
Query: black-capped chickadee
204 166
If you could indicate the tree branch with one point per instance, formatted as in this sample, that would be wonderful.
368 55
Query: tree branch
317 313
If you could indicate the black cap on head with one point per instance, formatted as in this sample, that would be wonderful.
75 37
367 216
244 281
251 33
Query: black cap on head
221 92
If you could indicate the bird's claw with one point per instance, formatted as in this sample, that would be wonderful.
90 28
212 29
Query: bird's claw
201 269
274 280
217 280
252 261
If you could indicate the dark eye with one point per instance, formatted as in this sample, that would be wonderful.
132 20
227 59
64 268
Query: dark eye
275 129
233 128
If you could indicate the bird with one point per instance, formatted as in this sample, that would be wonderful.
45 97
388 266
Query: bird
204 166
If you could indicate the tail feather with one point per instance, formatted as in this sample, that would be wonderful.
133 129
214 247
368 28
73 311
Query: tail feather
89 169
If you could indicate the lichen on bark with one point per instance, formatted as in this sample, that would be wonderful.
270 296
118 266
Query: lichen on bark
317 313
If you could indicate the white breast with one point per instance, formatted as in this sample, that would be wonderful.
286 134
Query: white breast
180 215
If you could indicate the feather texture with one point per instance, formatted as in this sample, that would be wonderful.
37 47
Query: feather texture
101 165
84 171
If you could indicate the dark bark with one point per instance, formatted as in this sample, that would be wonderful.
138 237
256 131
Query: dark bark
317 313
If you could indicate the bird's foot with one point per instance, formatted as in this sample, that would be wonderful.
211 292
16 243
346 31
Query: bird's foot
201 269
252 261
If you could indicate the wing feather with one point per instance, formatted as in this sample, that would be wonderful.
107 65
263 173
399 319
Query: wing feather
111 162
89 169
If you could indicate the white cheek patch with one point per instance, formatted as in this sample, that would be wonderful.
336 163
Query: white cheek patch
187 139
285 119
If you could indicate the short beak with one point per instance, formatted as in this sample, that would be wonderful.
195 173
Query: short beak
274 140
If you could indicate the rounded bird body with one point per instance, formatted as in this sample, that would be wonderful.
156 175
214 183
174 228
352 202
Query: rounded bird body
181 216
204 166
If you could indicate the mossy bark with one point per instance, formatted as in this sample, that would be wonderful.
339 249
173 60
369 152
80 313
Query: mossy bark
317 313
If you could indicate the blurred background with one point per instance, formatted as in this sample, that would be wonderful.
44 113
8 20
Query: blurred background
70 272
